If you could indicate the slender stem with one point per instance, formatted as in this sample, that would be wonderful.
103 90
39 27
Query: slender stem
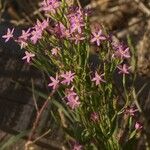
34 99
79 4
39 114
37 139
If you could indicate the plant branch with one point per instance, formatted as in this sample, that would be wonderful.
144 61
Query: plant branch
38 117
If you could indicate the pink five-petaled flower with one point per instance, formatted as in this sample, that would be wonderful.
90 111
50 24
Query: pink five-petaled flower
28 56
22 40
77 147
130 111
72 98
35 36
121 52
67 77
55 51
98 37
94 116
54 83
50 5
25 34
124 69
42 25
138 126
98 78
78 38
8 35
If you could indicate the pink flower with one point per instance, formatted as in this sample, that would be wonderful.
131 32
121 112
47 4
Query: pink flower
55 51
72 99
50 5
94 117
42 25
122 53
76 19
77 147
25 34
138 126
131 111
78 38
124 69
35 36
28 56
98 37
61 31
68 77
8 35
22 40
98 78
54 82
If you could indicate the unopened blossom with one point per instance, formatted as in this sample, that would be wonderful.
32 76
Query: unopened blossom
94 117
28 56
98 78
22 43
123 69
77 147
8 35
98 37
131 111
50 5
72 99
55 82
55 51
67 77
138 126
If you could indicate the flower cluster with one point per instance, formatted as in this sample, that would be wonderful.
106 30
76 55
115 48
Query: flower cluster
122 52
66 79
76 20
38 29
72 98
131 111
69 41
22 39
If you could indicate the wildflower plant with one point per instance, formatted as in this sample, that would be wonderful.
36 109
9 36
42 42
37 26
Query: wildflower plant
80 61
